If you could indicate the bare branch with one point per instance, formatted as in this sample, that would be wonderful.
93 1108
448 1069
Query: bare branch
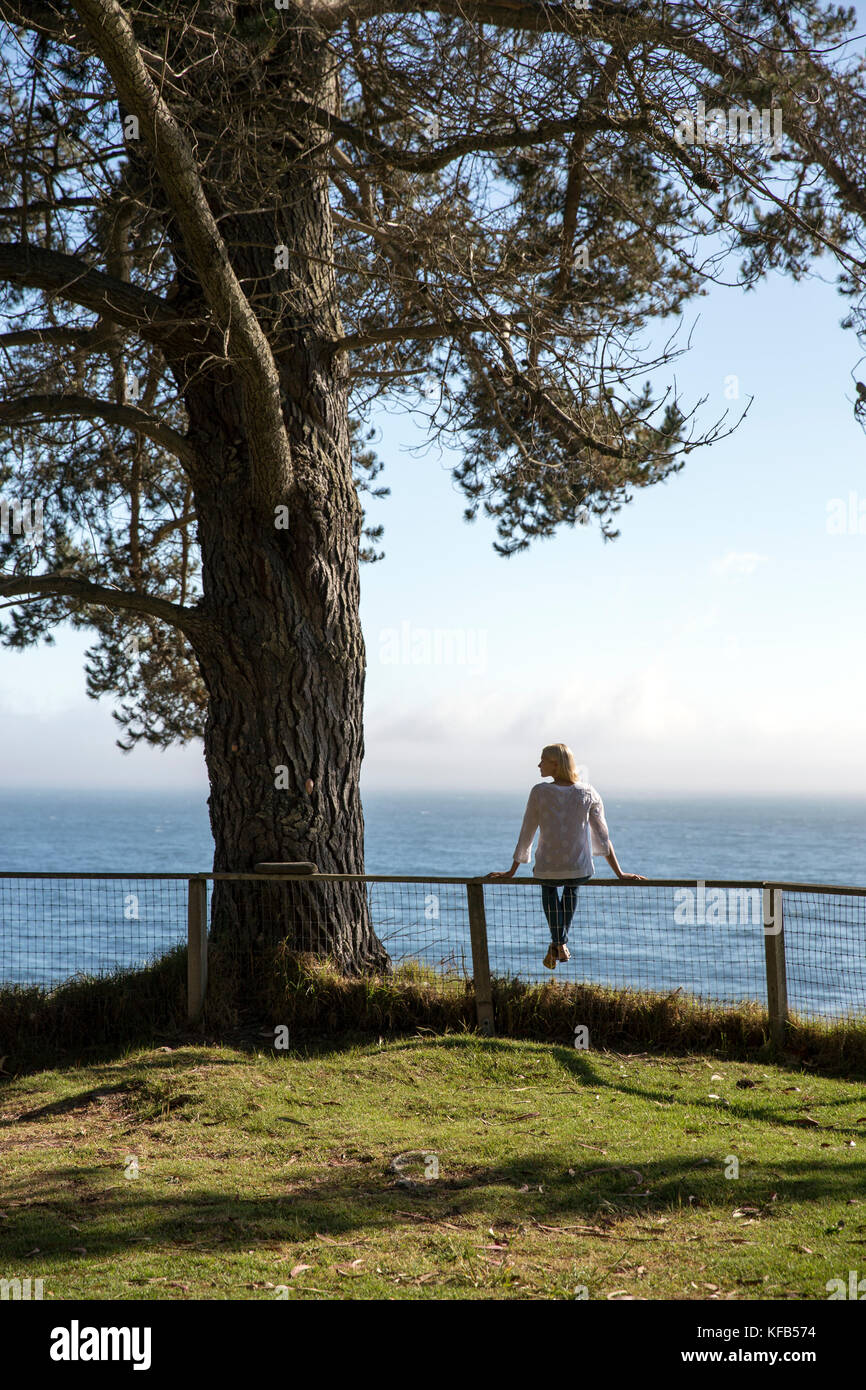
71 279
176 524
514 137
48 585
403 332
48 205
537 16
61 407
176 166
49 336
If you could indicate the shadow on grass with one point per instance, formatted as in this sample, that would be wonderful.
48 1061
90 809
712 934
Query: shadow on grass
527 1189
745 1105
69 1104
134 1099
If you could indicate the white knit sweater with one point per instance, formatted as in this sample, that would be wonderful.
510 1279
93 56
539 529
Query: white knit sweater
573 829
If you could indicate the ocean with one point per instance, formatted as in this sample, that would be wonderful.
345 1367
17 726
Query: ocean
630 937
804 838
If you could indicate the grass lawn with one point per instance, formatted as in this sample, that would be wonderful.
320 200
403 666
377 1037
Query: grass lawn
210 1172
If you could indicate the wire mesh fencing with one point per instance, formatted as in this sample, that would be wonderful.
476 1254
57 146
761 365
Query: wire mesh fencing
825 953
414 928
424 928
693 939
707 941
56 928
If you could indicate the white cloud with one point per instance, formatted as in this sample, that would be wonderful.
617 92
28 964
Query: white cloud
704 719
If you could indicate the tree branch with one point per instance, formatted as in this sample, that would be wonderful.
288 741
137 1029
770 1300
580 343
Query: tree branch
69 278
474 142
402 332
48 205
61 407
46 585
536 16
50 336
632 24
176 524
849 189
176 167
41 18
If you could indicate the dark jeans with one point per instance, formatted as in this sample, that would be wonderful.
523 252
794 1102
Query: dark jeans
559 911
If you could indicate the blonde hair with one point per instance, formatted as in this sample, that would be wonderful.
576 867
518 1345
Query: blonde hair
561 754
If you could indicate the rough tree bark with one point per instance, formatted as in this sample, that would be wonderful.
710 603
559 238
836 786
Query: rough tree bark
283 662
284 668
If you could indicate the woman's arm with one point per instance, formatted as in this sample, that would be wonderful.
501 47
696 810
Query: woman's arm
601 841
509 874
623 878
524 842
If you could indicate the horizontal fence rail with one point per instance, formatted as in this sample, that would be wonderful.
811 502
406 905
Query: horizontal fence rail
788 946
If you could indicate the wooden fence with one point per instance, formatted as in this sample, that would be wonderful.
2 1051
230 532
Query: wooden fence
776 965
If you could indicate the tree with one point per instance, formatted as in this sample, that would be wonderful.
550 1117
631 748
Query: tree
229 229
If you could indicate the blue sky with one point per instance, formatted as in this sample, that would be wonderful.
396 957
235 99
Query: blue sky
716 646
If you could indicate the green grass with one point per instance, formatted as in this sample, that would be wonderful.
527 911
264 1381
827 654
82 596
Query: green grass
556 1169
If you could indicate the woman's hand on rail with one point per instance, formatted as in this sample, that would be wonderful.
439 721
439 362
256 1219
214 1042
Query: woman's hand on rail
508 874
632 878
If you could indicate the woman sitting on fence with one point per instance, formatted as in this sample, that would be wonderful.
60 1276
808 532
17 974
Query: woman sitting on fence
570 816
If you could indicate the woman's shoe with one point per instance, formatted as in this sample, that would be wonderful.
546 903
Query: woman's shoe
563 953
551 958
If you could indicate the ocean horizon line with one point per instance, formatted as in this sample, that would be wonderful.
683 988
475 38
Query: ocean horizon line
610 791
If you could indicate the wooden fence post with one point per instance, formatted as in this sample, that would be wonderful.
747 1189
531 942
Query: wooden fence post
480 959
196 957
774 950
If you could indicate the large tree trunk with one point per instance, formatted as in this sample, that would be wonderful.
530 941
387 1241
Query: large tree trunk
285 683
285 680
284 665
